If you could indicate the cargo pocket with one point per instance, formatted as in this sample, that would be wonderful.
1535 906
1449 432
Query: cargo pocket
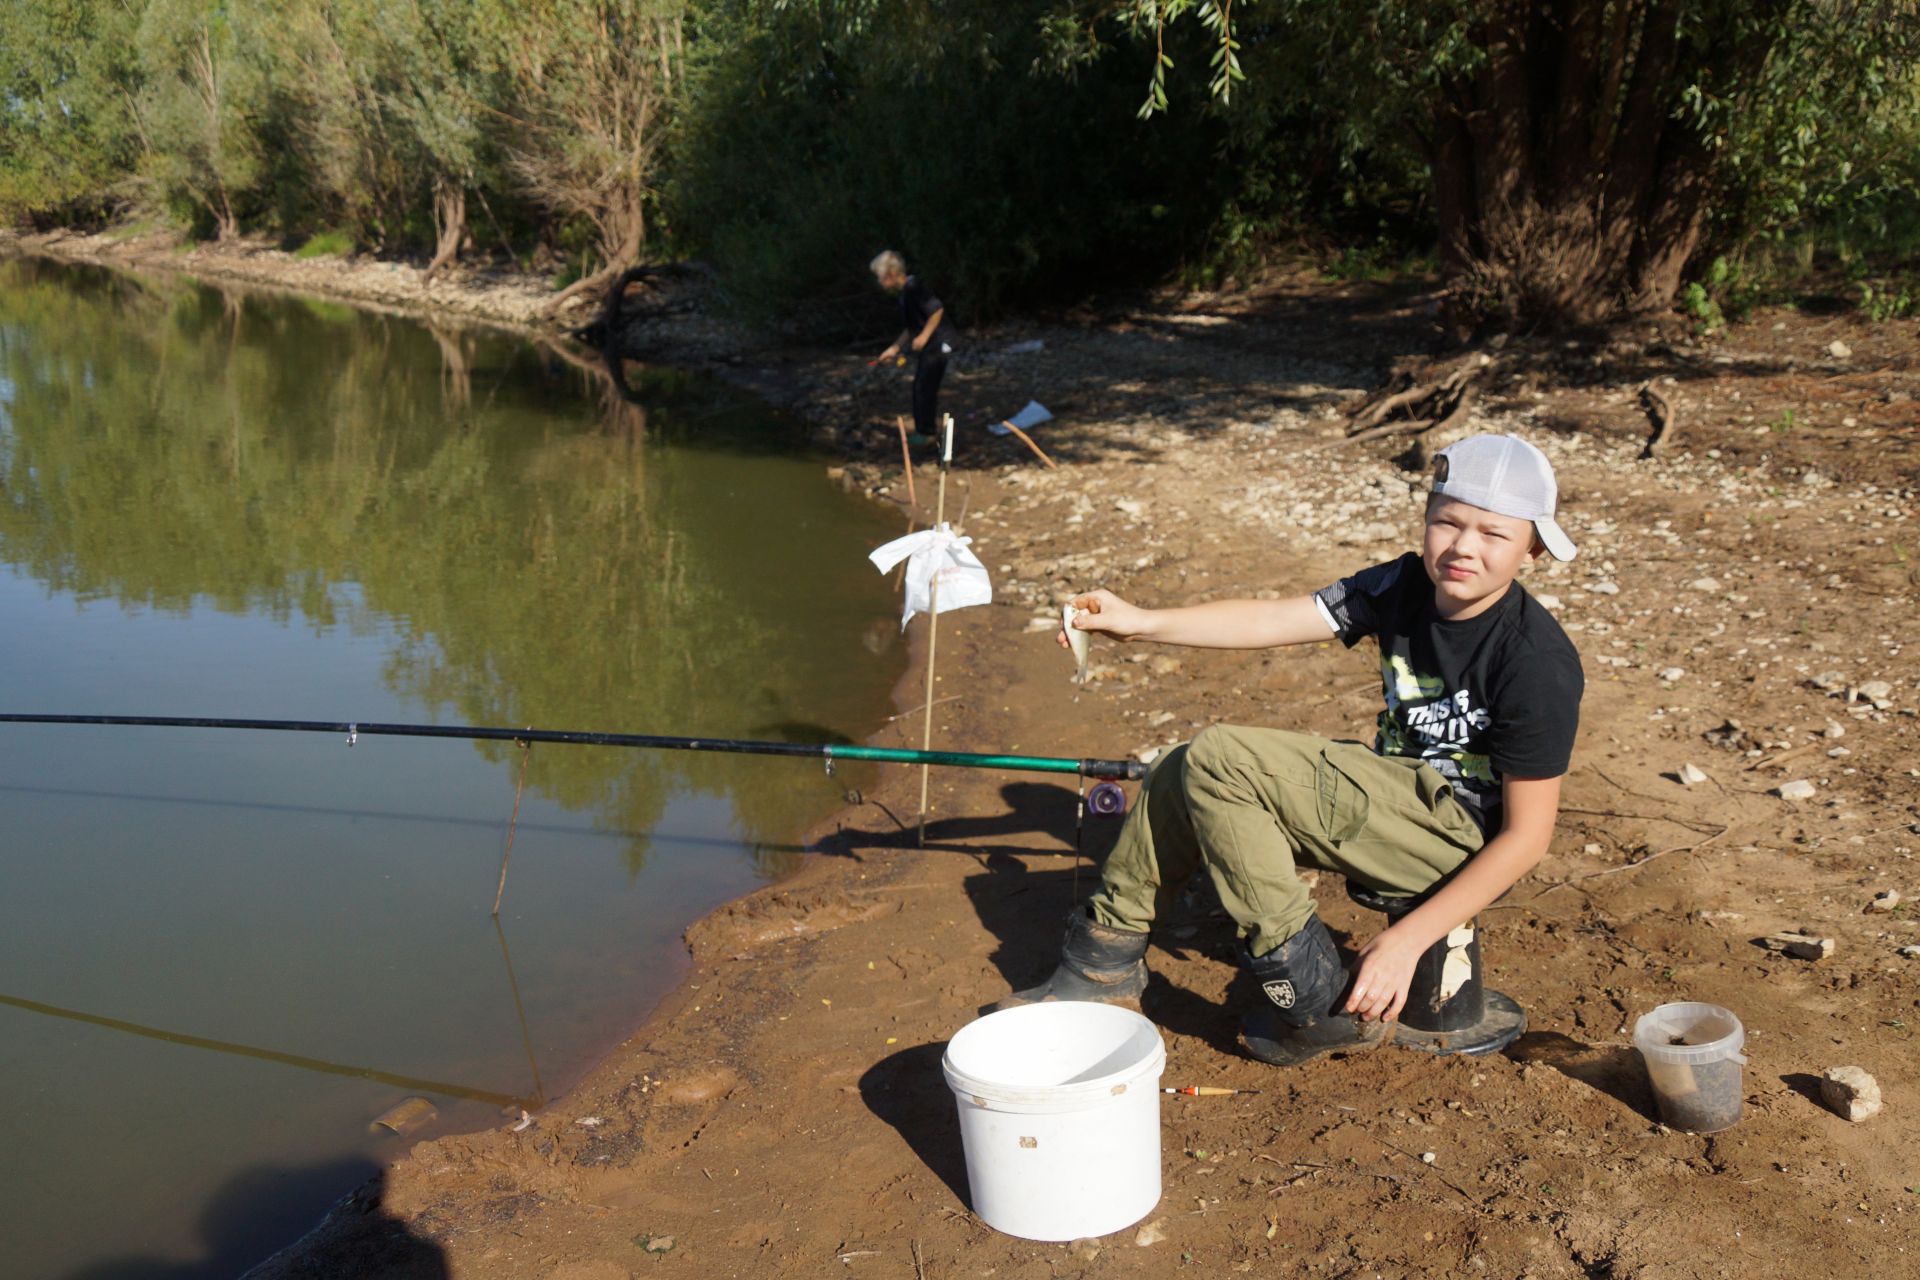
1343 803
1452 817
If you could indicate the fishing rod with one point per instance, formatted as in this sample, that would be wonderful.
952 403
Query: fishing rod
1105 770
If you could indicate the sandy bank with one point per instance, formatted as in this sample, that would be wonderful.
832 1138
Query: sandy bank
784 1115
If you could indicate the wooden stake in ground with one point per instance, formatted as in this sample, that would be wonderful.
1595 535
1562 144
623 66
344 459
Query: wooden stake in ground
906 458
933 618
1028 441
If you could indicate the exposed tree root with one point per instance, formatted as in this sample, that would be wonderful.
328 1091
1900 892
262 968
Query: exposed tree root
1659 411
1415 407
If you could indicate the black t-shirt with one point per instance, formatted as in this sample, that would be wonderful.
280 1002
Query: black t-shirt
917 305
1479 699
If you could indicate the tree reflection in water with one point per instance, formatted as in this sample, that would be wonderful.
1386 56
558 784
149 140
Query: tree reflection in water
550 551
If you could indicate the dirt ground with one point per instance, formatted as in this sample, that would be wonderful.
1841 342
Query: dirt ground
1743 604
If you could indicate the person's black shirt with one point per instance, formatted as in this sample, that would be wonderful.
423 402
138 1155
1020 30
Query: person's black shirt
917 305
1478 699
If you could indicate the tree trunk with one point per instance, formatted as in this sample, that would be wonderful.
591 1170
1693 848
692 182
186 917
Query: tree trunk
1568 192
449 223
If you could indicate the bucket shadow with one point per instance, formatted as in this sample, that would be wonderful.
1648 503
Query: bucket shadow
908 1091
1612 1070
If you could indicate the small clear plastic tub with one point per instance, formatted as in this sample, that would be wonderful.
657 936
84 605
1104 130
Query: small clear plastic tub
1694 1060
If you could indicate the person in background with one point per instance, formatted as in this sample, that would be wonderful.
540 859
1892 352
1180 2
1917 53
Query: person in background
924 331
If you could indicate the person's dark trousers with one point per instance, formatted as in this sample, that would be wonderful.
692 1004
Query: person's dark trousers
926 394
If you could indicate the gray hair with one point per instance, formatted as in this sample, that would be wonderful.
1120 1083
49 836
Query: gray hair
886 263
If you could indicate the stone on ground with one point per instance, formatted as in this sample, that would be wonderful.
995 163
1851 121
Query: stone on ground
1850 1093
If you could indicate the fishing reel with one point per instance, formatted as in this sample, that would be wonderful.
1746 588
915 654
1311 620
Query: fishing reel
1107 799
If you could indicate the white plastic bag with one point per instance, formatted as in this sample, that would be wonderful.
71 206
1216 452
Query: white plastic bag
963 579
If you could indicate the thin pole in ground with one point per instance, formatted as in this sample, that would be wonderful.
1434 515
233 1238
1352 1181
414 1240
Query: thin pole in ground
906 460
933 618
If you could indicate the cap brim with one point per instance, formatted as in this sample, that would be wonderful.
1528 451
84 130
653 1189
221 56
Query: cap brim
1558 543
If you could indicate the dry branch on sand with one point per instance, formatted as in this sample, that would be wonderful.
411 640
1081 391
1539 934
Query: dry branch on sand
1411 405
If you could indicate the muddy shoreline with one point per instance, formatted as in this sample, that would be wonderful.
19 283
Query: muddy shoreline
1738 604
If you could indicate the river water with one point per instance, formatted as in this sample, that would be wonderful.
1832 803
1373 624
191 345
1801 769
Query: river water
224 953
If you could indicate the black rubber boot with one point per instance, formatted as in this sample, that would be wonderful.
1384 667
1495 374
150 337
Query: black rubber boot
1096 963
1303 984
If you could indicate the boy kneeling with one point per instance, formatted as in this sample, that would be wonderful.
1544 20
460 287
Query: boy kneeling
1455 801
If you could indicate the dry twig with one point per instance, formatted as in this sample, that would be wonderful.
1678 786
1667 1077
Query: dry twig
1631 866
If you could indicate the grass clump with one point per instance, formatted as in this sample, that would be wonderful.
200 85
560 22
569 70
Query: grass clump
326 244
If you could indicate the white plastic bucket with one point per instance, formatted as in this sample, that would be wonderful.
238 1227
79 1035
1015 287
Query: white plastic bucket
1694 1060
1060 1117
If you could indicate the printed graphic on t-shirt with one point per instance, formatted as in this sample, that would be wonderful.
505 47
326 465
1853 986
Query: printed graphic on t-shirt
1425 719
1479 699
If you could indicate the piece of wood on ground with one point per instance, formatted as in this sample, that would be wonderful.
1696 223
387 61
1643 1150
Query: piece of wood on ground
1660 417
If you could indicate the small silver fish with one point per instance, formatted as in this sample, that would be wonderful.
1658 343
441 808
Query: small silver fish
1077 640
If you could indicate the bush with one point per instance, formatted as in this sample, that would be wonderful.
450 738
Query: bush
327 244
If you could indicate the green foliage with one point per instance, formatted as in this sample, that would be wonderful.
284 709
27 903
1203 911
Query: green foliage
997 142
1888 302
1698 303
67 134
815 136
327 244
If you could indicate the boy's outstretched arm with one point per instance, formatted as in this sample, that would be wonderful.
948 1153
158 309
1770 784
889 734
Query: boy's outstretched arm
1386 964
1218 624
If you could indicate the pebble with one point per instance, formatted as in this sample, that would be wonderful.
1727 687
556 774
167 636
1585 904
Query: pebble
1829 680
1127 506
1427 1157
1671 674
1850 1093
1875 690
1801 946
1885 900
1839 350
1153 1233
1691 775
1705 584
1911 953
1604 588
1798 789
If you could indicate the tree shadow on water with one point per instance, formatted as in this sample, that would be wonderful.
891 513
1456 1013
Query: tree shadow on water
249 1217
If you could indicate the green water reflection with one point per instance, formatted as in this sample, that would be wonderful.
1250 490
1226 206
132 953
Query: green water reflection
219 956
551 555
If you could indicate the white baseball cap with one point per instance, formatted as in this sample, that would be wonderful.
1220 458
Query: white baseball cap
1505 475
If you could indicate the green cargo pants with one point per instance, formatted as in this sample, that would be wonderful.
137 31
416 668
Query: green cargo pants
1251 805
